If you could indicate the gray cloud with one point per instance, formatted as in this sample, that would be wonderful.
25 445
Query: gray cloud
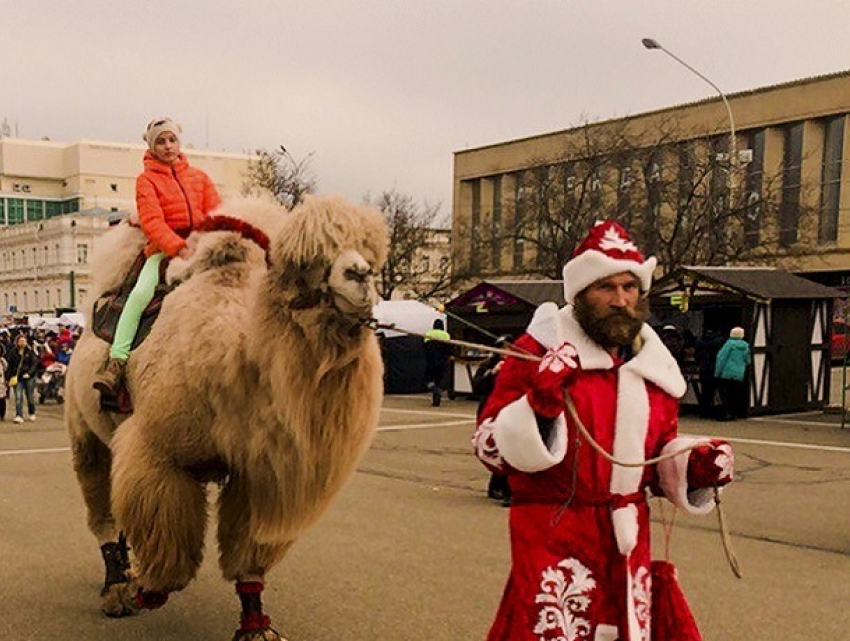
383 91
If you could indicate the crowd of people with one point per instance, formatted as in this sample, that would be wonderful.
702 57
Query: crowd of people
33 362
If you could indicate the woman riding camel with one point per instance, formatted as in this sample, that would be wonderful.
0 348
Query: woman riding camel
172 199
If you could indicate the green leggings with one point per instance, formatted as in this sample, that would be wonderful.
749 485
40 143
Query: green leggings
139 298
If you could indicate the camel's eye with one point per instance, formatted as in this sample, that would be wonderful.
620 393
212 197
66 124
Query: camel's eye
359 275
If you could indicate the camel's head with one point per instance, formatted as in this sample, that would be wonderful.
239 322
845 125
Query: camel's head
327 256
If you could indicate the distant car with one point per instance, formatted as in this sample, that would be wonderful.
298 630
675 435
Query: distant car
840 344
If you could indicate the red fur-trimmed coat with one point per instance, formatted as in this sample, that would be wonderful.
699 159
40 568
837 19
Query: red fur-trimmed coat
579 525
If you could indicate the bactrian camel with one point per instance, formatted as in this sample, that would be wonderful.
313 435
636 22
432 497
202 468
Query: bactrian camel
261 374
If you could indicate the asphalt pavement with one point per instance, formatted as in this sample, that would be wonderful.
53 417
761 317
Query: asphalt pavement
412 550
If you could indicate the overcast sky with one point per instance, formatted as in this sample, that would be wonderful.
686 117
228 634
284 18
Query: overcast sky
382 92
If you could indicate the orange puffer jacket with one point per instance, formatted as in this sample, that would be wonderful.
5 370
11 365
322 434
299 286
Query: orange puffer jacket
172 200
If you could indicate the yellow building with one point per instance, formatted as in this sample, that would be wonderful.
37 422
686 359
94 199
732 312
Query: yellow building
57 198
785 185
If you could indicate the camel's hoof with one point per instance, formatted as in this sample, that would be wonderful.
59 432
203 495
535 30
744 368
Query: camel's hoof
119 599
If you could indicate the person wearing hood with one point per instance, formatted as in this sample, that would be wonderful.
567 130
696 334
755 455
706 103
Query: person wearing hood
172 199
730 370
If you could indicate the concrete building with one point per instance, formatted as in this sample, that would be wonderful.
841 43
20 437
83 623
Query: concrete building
795 131
432 265
57 198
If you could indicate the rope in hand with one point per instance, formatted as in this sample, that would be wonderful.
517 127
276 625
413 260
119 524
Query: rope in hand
725 535
517 352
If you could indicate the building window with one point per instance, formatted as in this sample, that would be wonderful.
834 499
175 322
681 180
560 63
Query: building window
624 189
52 209
519 244
15 211
686 177
789 208
71 206
475 226
82 253
753 207
57 253
543 218
648 227
833 143
495 237
35 210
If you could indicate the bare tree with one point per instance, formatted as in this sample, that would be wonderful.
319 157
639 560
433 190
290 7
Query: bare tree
280 174
414 263
675 191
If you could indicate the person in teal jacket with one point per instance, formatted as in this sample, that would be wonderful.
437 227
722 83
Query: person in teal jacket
730 370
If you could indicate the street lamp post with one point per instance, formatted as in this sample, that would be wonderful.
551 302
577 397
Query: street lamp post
649 43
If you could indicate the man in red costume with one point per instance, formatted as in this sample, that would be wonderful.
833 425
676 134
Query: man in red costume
579 524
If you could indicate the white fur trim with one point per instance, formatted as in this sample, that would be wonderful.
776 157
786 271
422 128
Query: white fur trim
519 442
625 520
631 614
591 265
632 424
656 364
545 326
673 477
606 632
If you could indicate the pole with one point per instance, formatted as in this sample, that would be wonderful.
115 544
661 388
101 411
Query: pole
649 43
73 290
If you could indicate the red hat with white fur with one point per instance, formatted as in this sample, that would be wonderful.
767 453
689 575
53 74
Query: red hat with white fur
606 251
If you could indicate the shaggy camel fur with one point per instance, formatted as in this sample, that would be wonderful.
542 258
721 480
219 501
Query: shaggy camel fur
263 379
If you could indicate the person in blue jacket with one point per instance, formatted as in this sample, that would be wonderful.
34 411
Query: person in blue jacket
730 370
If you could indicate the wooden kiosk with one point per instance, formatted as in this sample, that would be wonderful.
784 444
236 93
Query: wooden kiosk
491 309
787 320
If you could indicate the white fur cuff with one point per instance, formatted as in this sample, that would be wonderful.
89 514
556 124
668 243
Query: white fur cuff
519 442
673 477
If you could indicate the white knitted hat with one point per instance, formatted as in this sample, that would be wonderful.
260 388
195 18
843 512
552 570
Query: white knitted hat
156 127
606 251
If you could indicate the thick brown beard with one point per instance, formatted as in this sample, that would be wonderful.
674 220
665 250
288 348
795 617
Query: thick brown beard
611 328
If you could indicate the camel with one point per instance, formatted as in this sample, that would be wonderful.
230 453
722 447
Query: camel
261 374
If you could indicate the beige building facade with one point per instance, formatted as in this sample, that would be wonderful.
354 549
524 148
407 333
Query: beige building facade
796 131
57 198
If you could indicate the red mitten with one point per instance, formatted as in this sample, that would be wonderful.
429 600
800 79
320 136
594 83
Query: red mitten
710 464
558 366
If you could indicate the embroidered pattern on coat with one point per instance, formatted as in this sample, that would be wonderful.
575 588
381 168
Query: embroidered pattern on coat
613 240
642 594
485 445
557 359
564 595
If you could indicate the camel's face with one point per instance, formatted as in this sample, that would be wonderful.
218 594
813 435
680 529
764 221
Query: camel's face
352 283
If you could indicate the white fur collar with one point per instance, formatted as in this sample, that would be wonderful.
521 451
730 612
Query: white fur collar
551 326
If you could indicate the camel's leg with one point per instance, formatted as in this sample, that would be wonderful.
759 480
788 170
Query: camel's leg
245 561
92 464
162 510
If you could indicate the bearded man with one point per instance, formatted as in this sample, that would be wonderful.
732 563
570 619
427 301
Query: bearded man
580 524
